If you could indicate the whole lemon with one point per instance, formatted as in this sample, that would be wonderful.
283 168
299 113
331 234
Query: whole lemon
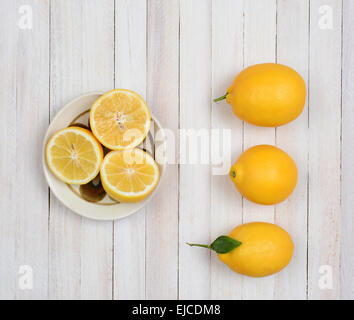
264 174
266 249
255 249
267 95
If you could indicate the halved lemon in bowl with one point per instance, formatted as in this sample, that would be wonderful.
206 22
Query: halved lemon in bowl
120 119
129 175
74 155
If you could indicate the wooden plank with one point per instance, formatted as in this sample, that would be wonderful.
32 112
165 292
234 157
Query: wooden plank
259 47
292 50
8 128
347 220
324 146
82 46
226 202
24 194
195 179
162 97
130 73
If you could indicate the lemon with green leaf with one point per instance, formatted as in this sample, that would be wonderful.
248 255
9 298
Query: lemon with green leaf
255 249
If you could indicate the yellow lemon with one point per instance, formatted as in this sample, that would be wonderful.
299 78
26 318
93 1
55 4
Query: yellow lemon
74 155
129 175
120 119
264 174
255 249
267 95
266 249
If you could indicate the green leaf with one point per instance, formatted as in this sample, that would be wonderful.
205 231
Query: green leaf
225 244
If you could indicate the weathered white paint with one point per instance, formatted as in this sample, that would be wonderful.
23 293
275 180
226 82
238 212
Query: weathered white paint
324 147
347 219
195 109
178 55
162 97
24 100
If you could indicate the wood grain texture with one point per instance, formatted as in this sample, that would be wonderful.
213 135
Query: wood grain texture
195 109
347 220
130 73
24 104
259 47
226 202
162 97
324 146
82 60
293 50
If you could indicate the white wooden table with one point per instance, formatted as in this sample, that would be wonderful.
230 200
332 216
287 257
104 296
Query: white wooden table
178 55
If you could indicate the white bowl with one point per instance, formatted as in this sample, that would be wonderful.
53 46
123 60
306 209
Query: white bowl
69 195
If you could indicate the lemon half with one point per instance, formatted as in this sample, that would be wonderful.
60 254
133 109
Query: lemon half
74 155
129 175
120 119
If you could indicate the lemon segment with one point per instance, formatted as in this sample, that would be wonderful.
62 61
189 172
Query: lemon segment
120 119
129 175
74 155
